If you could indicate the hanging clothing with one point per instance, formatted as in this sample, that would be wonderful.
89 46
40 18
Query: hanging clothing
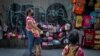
79 6
79 20
93 17
86 21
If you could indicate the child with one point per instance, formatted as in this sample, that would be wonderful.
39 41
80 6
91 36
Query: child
38 41
73 49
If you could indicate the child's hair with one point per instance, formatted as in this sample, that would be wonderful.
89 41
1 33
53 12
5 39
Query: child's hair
74 37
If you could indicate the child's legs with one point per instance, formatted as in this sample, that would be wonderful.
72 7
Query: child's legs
38 46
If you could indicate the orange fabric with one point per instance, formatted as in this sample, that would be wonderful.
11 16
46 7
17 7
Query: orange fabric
77 1
79 6
78 9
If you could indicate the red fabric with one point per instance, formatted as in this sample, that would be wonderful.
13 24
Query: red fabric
89 37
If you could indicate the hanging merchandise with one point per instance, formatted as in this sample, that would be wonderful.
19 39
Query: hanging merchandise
93 17
50 39
79 20
67 26
98 12
97 25
89 37
90 6
44 44
47 34
86 21
9 35
19 36
97 5
97 40
79 6
81 35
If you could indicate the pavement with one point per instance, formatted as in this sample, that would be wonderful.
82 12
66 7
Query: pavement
45 52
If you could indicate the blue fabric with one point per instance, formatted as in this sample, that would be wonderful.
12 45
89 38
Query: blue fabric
30 41
93 17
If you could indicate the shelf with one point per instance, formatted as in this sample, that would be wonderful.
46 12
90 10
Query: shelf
97 42
96 46
97 32
97 36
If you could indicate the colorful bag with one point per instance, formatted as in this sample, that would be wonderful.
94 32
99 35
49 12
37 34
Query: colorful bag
50 38
89 37
79 20
97 25
44 43
86 21
93 17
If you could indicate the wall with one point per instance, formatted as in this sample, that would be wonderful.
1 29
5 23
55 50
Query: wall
42 4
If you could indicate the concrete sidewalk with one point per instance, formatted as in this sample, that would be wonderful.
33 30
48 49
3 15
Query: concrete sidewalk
49 52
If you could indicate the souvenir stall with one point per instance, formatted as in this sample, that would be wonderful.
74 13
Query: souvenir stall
97 27
87 17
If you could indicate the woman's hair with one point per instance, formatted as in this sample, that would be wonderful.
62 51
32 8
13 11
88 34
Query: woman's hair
74 37
28 11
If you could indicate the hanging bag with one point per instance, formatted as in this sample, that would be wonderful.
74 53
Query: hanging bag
79 20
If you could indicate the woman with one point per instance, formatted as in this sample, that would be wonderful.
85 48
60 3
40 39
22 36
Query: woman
31 26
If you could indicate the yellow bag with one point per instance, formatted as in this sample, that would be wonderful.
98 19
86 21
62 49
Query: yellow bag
79 20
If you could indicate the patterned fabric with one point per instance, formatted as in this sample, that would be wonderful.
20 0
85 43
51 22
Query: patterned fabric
79 20
79 52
